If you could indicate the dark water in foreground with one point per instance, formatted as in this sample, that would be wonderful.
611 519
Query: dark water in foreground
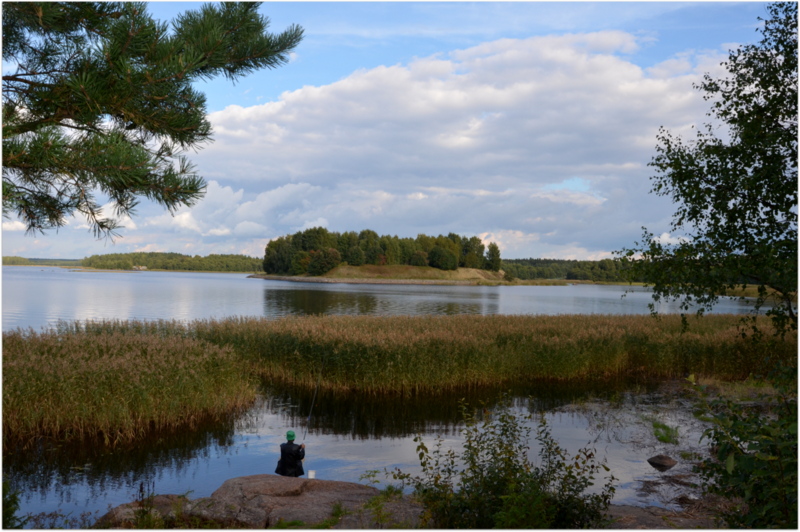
346 436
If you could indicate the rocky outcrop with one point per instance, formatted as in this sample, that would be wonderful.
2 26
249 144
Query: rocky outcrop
262 501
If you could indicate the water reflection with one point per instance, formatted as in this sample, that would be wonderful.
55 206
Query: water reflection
39 297
309 298
367 417
69 473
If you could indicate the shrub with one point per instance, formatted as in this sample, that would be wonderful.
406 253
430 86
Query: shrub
10 508
754 462
442 258
323 261
419 258
300 263
355 256
498 485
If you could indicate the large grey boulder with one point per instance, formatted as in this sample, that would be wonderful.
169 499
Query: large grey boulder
261 501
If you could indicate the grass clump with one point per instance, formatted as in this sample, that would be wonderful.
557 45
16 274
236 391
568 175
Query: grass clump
664 433
114 386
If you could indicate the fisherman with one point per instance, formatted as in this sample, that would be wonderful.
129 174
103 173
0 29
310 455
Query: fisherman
292 455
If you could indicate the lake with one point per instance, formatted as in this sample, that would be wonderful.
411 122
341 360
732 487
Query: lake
345 436
40 296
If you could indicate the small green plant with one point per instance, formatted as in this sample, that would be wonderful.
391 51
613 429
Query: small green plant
289 524
754 446
337 512
145 516
492 483
664 433
11 507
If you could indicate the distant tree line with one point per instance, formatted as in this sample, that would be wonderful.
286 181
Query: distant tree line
579 270
16 261
173 261
317 250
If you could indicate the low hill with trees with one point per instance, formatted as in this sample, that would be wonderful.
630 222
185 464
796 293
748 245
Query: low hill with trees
173 261
317 251
606 270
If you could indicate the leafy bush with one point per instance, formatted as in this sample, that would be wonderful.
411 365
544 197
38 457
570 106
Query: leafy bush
419 258
498 485
355 256
754 461
442 258
10 508
300 263
323 261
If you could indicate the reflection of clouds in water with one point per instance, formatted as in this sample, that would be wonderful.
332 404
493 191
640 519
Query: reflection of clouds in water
36 297
343 444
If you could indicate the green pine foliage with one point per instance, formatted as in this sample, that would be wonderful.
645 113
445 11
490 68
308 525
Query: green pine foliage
99 99
173 261
293 254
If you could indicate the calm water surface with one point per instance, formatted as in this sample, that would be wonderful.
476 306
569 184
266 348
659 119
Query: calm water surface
346 436
40 296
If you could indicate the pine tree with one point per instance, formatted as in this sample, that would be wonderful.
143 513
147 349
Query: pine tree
100 102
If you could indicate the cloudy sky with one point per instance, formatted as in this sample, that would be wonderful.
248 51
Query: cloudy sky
529 124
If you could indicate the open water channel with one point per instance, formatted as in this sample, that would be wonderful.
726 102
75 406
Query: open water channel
345 437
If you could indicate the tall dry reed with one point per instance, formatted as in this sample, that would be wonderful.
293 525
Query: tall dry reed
115 386
124 379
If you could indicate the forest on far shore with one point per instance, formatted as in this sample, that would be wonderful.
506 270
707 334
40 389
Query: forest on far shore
316 251
380 250
173 261
606 270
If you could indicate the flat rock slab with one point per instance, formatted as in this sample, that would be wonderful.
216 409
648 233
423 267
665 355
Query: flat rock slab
653 518
262 501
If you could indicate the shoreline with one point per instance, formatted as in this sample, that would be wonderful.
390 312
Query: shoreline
363 280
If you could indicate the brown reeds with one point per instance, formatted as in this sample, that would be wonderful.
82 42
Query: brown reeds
116 387
123 378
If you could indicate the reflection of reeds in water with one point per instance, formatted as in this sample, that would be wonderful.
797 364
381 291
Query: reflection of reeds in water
123 379
114 386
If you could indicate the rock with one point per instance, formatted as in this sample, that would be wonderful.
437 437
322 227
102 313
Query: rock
260 501
661 462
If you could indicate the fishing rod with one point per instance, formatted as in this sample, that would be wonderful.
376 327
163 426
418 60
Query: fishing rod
314 399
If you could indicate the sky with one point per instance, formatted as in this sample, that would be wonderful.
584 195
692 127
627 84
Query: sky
528 124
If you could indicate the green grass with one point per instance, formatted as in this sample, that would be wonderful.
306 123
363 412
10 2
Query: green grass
664 433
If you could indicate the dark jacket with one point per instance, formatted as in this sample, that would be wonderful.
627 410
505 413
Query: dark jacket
290 464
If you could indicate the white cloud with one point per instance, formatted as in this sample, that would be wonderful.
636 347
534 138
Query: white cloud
541 143
14 225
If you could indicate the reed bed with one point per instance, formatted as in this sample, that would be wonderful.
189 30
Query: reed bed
429 354
123 380
116 386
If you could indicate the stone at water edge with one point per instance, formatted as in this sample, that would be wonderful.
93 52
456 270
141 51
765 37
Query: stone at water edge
259 501
662 462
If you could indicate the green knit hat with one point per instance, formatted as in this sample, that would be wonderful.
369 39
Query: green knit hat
290 435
